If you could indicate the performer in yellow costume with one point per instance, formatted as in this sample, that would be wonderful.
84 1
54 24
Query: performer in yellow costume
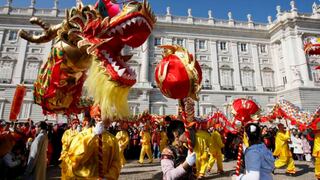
215 150
123 141
66 140
94 153
163 139
316 154
202 142
146 145
282 150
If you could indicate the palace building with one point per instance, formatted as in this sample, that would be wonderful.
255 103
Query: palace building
265 62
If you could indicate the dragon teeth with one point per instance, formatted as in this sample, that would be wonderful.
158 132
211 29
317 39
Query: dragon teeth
134 20
123 25
128 22
121 71
116 68
119 29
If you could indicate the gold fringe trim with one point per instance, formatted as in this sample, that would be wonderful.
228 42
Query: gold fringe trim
112 98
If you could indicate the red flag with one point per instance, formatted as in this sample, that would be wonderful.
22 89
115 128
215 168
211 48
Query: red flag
17 102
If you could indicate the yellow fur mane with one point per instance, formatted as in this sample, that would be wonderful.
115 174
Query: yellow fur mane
111 97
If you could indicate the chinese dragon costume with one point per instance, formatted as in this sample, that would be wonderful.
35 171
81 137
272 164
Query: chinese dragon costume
87 53
312 48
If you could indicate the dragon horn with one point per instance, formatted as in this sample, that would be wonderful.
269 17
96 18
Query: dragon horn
50 31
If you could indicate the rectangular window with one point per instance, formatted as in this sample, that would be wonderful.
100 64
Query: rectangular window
6 70
265 61
316 76
263 48
12 35
247 78
243 47
25 110
202 44
2 101
223 46
157 41
180 42
284 78
226 78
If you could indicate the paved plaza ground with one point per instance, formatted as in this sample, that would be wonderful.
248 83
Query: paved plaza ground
135 171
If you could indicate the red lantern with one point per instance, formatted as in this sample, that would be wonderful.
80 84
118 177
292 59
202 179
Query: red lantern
245 110
178 75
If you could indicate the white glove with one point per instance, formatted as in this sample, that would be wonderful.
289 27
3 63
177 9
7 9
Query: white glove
98 129
191 159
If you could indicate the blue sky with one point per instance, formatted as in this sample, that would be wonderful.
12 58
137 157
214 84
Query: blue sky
259 9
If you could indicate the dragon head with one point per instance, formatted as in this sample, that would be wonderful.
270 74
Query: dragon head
312 45
105 36
103 33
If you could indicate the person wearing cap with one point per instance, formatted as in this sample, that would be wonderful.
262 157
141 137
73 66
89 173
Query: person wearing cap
66 140
259 161
94 153
176 160
316 153
215 149
282 150
123 140
36 167
146 145
201 148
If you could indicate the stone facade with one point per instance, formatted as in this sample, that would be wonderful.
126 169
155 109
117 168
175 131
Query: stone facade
265 62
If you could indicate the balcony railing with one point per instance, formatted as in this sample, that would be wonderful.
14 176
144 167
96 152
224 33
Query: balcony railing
227 87
269 89
248 88
5 81
206 87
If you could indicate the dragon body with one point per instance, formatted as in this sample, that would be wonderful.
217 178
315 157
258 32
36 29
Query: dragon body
87 57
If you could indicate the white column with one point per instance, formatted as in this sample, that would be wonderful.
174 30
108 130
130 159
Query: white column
214 65
236 66
191 46
276 65
145 62
292 62
1 35
302 61
288 60
18 68
256 66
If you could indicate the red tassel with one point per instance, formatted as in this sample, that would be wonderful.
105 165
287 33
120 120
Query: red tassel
17 102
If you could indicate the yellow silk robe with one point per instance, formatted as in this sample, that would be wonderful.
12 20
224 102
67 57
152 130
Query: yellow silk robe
83 156
202 143
66 140
283 152
123 141
316 154
163 140
282 148
215 150
146 146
